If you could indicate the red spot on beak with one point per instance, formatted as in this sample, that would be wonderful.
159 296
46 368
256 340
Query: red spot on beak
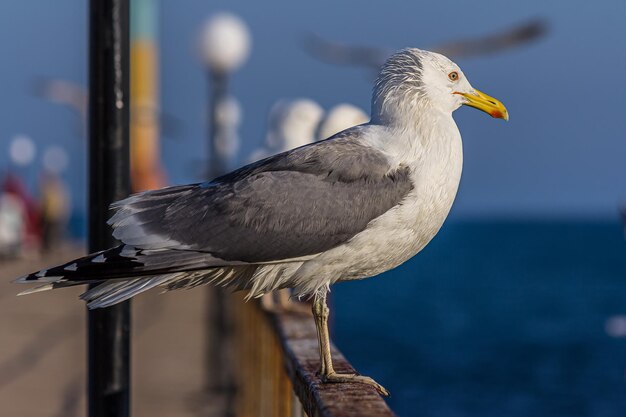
496 113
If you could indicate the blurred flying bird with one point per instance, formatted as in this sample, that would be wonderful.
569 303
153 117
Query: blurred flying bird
66 93
75 97
509 38
373 57
346 208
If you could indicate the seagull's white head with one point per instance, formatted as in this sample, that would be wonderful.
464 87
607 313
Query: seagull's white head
414 81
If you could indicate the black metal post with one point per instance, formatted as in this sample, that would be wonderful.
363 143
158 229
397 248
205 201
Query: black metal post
109 81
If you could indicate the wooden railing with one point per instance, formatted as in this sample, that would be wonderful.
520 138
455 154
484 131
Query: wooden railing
276 358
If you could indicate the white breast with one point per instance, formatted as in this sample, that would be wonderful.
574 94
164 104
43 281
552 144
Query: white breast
403 231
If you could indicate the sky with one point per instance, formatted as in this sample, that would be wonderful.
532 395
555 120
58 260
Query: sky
562 154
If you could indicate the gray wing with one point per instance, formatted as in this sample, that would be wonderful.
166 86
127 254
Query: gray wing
294 204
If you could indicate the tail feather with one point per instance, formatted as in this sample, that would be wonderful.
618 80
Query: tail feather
54 286
126 271
109 293
124 262
113 292
39 288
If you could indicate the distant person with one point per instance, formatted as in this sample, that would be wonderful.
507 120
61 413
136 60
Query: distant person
55 210
18 206
12 225
30 230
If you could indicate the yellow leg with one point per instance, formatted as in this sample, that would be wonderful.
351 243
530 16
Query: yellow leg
326 372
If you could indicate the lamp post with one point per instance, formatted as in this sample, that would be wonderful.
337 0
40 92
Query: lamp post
224 47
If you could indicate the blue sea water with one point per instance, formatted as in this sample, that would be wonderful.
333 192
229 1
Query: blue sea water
495 319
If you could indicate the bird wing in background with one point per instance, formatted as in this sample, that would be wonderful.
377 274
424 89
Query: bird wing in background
373 57
496 42
284 208
74 96
67 93
339 53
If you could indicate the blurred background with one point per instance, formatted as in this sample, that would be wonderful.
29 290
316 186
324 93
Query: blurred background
518 306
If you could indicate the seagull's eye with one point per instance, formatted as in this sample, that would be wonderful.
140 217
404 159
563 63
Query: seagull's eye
454 76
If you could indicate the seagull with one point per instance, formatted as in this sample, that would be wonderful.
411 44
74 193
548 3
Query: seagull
292 123
340 117
350 207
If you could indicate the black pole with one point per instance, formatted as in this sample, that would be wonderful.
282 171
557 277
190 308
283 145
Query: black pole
108 328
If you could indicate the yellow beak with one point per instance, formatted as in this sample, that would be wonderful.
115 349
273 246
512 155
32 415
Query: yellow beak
486 103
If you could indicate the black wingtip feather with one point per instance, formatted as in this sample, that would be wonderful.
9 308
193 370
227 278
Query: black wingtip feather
86 268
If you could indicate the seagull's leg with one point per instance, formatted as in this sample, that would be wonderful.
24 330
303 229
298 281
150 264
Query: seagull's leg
327 372
320 309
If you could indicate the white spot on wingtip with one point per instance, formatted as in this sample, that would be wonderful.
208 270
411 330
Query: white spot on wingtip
99 259
41 273
128 251
52 278
72 267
